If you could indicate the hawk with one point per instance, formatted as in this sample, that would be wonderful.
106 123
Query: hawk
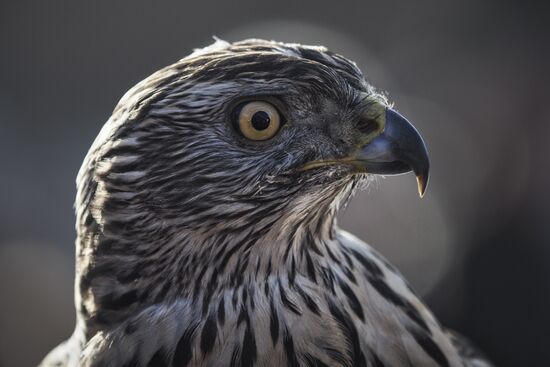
206 221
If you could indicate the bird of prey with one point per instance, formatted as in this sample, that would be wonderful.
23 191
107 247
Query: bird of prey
206 230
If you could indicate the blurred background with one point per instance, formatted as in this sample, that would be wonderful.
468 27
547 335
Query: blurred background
471 75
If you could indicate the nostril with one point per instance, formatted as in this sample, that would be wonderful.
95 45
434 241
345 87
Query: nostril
367 126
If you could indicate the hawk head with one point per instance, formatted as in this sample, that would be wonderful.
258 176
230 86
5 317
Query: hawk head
237 133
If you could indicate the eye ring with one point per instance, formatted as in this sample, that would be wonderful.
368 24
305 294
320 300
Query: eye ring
258 120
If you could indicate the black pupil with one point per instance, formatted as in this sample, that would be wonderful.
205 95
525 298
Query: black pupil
260 120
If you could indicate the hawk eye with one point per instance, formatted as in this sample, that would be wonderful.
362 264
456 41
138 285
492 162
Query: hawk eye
258 120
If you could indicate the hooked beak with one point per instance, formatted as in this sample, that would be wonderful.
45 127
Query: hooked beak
395 148
398 149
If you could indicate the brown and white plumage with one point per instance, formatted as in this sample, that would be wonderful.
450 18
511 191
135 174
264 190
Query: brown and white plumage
199 245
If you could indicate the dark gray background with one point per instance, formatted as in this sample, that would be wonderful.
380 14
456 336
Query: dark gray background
472 75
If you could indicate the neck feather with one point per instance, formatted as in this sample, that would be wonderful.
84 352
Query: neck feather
123 269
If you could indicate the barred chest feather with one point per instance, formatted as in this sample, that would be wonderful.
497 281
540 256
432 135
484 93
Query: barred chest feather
348 307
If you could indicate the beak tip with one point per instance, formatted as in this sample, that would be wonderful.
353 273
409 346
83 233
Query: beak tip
422 182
